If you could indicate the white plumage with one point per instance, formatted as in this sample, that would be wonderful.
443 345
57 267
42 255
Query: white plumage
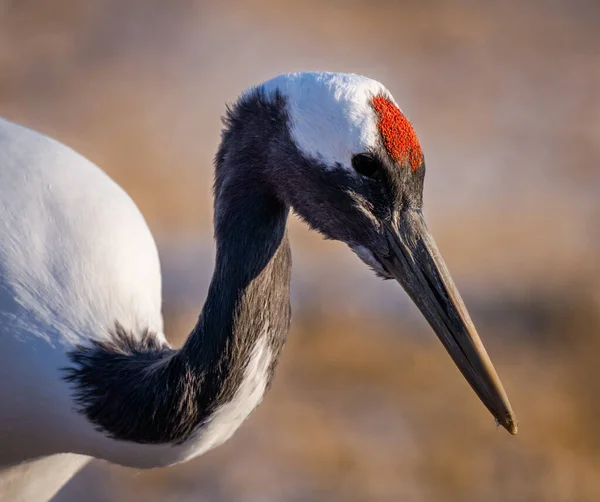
75 252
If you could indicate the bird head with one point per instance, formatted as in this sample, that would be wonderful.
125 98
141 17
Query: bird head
349 163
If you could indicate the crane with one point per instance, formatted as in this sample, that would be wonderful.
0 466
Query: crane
85 368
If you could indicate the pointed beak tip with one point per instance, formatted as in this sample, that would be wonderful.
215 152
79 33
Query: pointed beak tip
510 423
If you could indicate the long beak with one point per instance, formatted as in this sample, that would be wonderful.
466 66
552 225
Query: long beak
415 262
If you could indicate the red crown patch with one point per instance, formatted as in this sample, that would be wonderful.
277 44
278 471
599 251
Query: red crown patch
398 135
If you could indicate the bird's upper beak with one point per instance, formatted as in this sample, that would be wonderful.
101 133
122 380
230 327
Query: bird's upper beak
415 262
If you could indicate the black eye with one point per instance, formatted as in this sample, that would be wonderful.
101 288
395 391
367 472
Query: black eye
366 165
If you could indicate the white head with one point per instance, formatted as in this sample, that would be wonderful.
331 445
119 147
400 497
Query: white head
331 114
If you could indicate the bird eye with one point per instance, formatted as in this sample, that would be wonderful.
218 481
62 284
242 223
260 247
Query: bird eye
366 165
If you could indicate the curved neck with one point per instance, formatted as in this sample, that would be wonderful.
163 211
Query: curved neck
134 390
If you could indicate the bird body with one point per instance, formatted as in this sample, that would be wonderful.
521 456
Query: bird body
85 368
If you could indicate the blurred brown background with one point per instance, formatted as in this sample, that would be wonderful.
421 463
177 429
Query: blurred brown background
366 404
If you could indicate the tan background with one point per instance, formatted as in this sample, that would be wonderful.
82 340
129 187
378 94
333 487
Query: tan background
366 406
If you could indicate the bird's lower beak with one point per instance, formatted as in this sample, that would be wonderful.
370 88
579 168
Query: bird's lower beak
415 262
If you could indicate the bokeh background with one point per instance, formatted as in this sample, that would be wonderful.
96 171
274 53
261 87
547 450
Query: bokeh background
366 405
